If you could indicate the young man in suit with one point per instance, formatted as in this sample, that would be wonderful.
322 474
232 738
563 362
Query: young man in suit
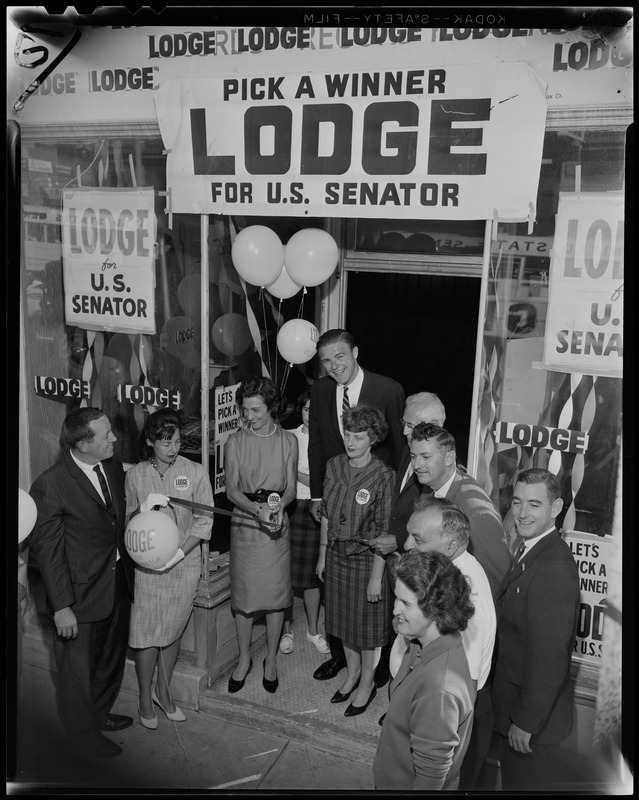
434 458
78 545
537 613
347 384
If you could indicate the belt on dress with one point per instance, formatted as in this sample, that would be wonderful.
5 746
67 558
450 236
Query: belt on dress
261 496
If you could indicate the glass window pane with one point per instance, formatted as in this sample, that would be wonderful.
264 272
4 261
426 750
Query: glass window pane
516 389
420 236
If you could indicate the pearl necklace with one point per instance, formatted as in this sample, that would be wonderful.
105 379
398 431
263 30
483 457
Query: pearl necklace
154 464
264 435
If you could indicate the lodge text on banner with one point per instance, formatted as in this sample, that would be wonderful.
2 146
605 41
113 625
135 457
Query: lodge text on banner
454 142
108 238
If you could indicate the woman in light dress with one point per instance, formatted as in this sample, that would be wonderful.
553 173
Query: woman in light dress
260 466
164 599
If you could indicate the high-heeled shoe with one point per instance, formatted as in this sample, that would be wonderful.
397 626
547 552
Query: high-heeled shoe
353 711
150 723
342 697
270 686
235 685
176 716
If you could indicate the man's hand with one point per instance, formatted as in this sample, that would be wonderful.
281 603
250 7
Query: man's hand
519 740
66 623
153 500
384 544
315 510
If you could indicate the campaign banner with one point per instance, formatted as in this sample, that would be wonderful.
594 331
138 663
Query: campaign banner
108 238
227 420
584 323
113 72
593 556
452 142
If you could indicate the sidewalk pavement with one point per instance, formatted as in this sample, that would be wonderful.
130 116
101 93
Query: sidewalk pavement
292 740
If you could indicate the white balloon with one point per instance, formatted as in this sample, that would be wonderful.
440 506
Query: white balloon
284 287
258 255
311 256
27 514
297 341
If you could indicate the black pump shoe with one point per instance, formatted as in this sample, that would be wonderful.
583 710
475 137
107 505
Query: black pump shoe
330 668
234 685
342 697
353 711
270 686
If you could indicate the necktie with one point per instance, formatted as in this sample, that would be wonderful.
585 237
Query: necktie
105 489
520 551
345 401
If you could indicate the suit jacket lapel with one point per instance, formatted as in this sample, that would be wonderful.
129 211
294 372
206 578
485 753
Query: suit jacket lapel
84 482
527 561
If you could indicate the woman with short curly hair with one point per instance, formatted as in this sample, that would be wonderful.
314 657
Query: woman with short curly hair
356 507
427 727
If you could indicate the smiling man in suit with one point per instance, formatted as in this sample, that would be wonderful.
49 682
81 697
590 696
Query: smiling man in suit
434 458
347 384
78 545
537 614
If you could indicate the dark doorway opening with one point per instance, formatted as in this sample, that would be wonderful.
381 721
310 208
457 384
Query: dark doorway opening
420 330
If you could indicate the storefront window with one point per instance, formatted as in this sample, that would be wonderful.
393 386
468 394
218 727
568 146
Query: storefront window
535 416
423 237
243 320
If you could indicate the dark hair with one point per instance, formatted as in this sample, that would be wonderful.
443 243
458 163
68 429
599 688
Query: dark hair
302 399
442 591
366 418
160 425
427 430
75 428
538 475
256 386
336 335
455 523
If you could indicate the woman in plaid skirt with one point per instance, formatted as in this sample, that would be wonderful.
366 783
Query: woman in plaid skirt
356 506
304 542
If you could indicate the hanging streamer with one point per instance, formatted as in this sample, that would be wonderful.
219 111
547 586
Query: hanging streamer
250 316
579 465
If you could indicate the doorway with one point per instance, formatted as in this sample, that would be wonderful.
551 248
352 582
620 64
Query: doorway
420 330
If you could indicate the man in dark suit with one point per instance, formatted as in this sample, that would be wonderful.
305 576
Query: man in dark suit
537 613
347 384
434 458
78 545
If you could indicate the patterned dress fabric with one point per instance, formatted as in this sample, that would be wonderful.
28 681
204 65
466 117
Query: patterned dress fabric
305 532
357 502
164 600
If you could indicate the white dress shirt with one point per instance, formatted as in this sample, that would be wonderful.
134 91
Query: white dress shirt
479 637
89 471
354 390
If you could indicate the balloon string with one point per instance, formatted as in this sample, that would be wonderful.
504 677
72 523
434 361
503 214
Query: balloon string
301 308
268 349
285 378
